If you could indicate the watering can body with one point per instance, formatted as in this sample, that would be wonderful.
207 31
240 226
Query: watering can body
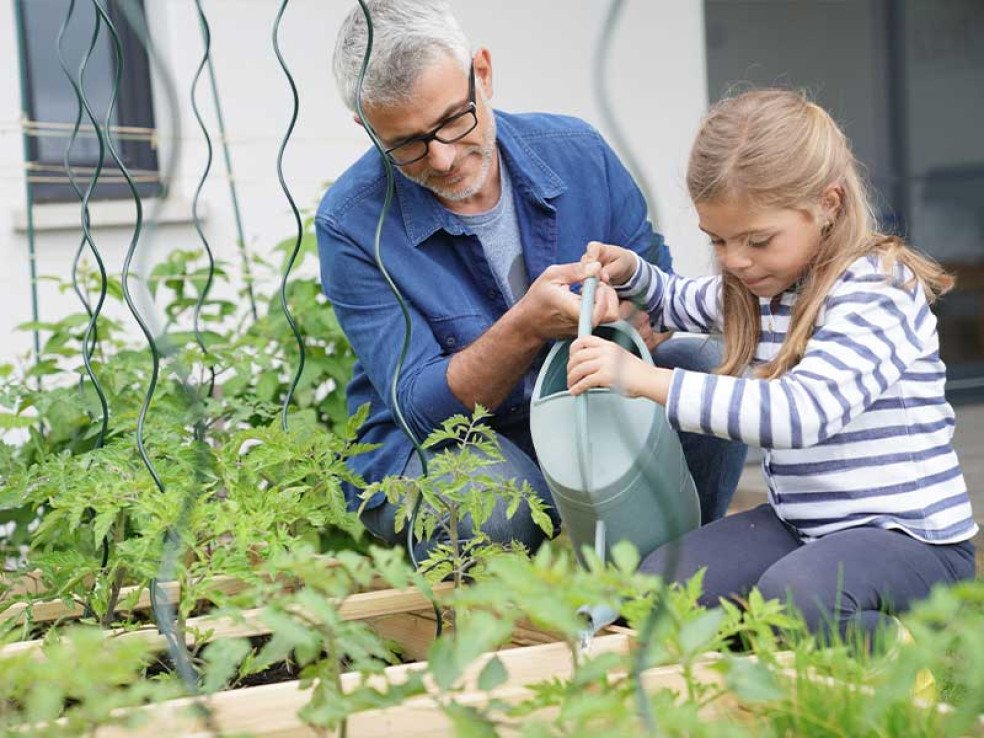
612 463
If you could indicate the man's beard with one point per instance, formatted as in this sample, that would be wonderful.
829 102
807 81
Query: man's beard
431 179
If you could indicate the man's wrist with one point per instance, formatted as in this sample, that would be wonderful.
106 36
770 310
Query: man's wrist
521 322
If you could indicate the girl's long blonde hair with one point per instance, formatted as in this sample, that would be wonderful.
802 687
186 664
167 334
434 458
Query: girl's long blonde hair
776 149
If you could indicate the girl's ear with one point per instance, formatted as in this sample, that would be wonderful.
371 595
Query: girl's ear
831 200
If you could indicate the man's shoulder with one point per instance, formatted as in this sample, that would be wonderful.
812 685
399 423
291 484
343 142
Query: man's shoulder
533 127
364 181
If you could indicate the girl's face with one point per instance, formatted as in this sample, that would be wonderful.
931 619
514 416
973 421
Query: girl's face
767 249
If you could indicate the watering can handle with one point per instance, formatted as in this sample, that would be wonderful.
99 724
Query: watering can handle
588 290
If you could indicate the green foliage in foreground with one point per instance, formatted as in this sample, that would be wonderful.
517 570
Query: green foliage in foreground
783 685
251 500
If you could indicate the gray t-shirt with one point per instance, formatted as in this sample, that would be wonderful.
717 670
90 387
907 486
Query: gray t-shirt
498 232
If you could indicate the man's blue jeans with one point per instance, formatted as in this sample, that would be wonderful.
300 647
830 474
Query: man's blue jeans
715 464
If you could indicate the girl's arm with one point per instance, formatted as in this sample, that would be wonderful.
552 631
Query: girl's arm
673 302
872 332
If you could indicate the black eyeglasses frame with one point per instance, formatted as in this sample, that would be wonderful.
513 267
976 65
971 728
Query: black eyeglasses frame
433 134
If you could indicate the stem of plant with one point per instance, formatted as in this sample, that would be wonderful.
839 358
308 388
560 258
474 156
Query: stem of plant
119 526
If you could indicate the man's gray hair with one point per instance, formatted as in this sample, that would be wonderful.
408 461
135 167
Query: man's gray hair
408 35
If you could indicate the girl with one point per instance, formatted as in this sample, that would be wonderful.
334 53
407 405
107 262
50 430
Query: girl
831 365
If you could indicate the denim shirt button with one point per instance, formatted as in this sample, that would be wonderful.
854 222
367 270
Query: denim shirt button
491 294
450 341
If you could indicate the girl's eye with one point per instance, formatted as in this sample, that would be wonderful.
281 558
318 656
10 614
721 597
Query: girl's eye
761 244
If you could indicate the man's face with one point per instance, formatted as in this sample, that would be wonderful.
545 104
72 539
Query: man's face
458 171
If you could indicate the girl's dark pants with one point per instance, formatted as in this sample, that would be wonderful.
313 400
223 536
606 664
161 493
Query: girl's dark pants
852 580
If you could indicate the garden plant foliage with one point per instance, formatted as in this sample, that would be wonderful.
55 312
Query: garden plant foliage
261 508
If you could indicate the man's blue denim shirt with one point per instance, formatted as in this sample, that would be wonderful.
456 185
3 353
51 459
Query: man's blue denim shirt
569 189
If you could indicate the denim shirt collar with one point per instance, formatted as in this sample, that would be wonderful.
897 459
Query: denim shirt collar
423 215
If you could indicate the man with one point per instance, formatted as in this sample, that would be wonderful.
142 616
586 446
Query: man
490 215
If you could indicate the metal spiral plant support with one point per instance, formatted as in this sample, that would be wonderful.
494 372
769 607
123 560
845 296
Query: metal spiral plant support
89 339
600 82
387 202
227 158
294 210
203 295
164 612
660 608
29 194
178 651
132 11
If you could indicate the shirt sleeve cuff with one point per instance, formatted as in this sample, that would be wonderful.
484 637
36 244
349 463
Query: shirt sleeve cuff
637 282
432 402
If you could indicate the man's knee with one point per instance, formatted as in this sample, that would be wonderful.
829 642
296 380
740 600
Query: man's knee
521 527
693 353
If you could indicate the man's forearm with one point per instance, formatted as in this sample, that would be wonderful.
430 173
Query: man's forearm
487 370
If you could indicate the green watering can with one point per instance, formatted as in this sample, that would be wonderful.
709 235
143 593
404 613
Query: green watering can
614 464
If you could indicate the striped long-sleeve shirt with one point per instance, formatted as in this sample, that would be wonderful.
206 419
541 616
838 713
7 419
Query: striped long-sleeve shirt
859 432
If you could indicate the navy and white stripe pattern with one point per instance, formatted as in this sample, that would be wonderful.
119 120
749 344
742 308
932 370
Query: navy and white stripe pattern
859 432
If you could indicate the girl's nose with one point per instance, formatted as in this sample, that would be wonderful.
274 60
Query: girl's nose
440 156
735 258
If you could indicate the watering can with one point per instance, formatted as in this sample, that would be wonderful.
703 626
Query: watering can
613 463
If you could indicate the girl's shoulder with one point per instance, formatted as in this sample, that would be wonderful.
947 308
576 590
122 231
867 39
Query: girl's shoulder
870 281
875 273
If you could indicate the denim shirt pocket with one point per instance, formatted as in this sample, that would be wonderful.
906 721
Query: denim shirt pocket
455 332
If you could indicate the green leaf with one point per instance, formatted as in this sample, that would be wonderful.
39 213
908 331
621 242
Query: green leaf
698 634
625 557
222 659
469 723
752 681
442 663
493 674
9 421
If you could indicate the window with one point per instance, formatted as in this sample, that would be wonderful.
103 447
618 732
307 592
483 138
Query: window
52 103
903 77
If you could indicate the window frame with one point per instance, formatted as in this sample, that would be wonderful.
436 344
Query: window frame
134 106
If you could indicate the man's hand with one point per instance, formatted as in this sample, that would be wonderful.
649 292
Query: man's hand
617 264
550 310
639 319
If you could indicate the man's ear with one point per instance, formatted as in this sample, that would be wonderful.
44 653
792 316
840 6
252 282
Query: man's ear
483 70
358 120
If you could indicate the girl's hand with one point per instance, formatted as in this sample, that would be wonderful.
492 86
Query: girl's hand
639 319
595 362
617 264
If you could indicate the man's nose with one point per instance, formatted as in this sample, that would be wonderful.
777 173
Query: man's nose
440 156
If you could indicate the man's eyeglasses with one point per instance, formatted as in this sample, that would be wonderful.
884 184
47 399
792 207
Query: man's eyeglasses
453 128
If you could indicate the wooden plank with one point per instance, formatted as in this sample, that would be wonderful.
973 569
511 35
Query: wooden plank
271 710
207 628
14 584
49 610
412 631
